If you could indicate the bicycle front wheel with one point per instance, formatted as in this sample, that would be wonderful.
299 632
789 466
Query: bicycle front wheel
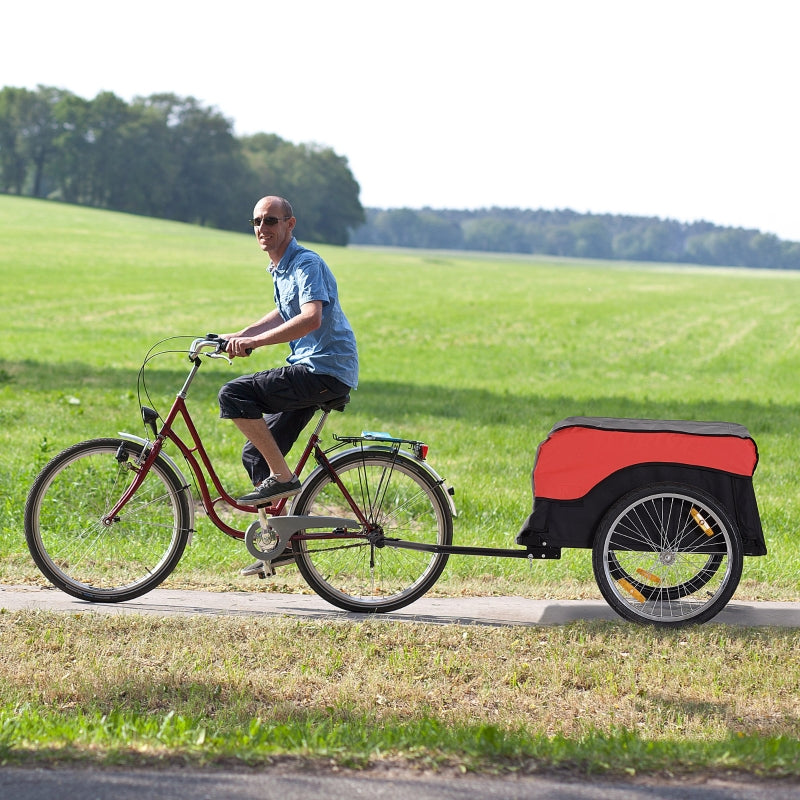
667 554
397 497
87 558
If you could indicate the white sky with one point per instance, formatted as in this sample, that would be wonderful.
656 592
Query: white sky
686 109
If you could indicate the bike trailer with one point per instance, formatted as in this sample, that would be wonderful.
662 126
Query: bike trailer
587 463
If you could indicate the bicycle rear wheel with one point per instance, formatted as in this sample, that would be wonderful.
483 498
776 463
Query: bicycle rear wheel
83 556
667 554
396 496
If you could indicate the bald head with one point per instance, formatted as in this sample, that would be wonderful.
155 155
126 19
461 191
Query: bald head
280 203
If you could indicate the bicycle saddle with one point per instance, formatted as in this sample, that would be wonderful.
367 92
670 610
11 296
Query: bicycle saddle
336 405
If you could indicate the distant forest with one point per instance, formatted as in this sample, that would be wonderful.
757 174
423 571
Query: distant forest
169 157
570 234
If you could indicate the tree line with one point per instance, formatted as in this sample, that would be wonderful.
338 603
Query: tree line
170 157
571 234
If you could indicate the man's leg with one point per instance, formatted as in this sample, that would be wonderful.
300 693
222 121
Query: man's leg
244 400
285 427
257 432
282 482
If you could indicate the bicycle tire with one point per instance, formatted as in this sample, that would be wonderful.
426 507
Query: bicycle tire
668 555
81 555
396 495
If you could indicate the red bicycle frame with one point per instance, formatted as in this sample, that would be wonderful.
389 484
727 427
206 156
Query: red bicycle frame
191 454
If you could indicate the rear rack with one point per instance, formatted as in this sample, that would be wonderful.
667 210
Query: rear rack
420 449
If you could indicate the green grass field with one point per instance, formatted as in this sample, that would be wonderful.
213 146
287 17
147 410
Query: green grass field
479 355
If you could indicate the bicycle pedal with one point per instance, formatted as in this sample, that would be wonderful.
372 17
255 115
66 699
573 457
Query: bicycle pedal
267 572
268 567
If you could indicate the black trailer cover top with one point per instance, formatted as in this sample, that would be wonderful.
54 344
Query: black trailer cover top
587 463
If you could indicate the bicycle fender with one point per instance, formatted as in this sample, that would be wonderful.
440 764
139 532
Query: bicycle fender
424 465
168 462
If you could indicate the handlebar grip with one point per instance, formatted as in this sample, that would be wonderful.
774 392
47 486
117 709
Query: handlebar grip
222 344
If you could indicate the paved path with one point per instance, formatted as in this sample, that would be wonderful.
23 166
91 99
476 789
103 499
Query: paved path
439 610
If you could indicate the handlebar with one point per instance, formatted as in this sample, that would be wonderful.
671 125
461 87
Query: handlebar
214 342
209 341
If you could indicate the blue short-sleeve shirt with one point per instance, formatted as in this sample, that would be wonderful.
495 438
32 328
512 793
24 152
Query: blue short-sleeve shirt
300 277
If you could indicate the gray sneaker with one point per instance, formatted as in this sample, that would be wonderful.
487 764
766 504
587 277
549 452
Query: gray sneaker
271 489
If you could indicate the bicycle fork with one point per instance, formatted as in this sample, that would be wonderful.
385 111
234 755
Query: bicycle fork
141 466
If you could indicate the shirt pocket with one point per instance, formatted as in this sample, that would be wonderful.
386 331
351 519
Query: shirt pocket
287 301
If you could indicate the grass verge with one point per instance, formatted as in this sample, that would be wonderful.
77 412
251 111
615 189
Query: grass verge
590 697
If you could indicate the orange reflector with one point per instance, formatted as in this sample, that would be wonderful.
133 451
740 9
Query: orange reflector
648 575
631 590
700 520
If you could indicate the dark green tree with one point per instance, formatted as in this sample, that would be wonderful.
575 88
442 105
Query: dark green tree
92 161
41 132
318 183
28 134
205 156
764 250
495 234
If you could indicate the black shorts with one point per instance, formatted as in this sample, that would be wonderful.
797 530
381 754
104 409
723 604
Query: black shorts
286 398
281 389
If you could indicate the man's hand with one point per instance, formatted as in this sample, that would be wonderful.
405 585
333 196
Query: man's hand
239 346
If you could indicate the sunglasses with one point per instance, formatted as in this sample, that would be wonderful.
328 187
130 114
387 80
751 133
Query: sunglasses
259 221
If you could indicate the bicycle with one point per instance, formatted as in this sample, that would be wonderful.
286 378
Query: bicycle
667 508
108 519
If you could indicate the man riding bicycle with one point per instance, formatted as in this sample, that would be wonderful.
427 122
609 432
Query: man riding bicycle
272 407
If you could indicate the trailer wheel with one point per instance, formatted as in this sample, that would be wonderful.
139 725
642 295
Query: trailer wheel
667 554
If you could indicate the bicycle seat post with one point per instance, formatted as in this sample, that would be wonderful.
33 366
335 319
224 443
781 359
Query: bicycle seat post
315 436
326 408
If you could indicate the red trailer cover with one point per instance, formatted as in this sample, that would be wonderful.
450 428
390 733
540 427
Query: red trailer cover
580 452
587 463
